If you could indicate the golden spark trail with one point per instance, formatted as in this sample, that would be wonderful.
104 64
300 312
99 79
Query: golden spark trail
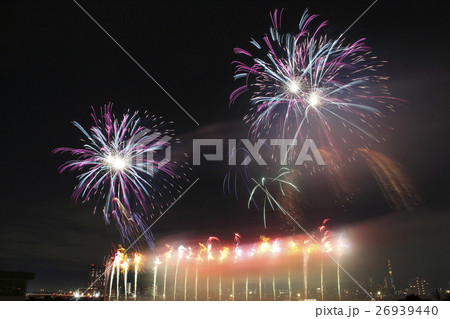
260 291
207 283
305 269
175 281
223 255
289 283
199 258
167 256
246 288
165 281
196 282
232 288
154 282
186 272
273 288
125 276
137 262
321 276
338 279
118 277
111 281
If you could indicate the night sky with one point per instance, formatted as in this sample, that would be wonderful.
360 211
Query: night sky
56 64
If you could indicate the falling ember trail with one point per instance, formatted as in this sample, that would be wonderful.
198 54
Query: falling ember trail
395 184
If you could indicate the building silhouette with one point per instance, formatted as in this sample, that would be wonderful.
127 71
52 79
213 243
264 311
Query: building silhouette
419 286
13 285
97 279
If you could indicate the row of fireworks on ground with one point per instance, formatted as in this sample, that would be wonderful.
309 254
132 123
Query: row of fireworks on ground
213 254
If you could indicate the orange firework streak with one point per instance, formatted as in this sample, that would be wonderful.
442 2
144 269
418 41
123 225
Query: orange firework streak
223 255
263 247
325 236
116 265
306 251
237 254
210 257
340 245
120 257
275 250
181 252
125 266
293 249
155 275
189 257
137 266
199 258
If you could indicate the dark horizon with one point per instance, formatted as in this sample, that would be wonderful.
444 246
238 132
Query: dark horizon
57 64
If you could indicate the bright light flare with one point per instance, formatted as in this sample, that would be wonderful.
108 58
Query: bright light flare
168 253
276 246
203 250
117 162
181 252
342 245
209 246
157 261
137 258
264 245
314 99
190 254
224 253
293 87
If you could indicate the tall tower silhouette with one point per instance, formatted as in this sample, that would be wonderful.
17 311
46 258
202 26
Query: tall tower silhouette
391 277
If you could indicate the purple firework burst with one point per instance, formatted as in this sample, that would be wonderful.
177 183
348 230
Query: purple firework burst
306 85
119 167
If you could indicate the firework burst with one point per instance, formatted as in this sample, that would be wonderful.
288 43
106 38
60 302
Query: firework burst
306 85
118 167
266 185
